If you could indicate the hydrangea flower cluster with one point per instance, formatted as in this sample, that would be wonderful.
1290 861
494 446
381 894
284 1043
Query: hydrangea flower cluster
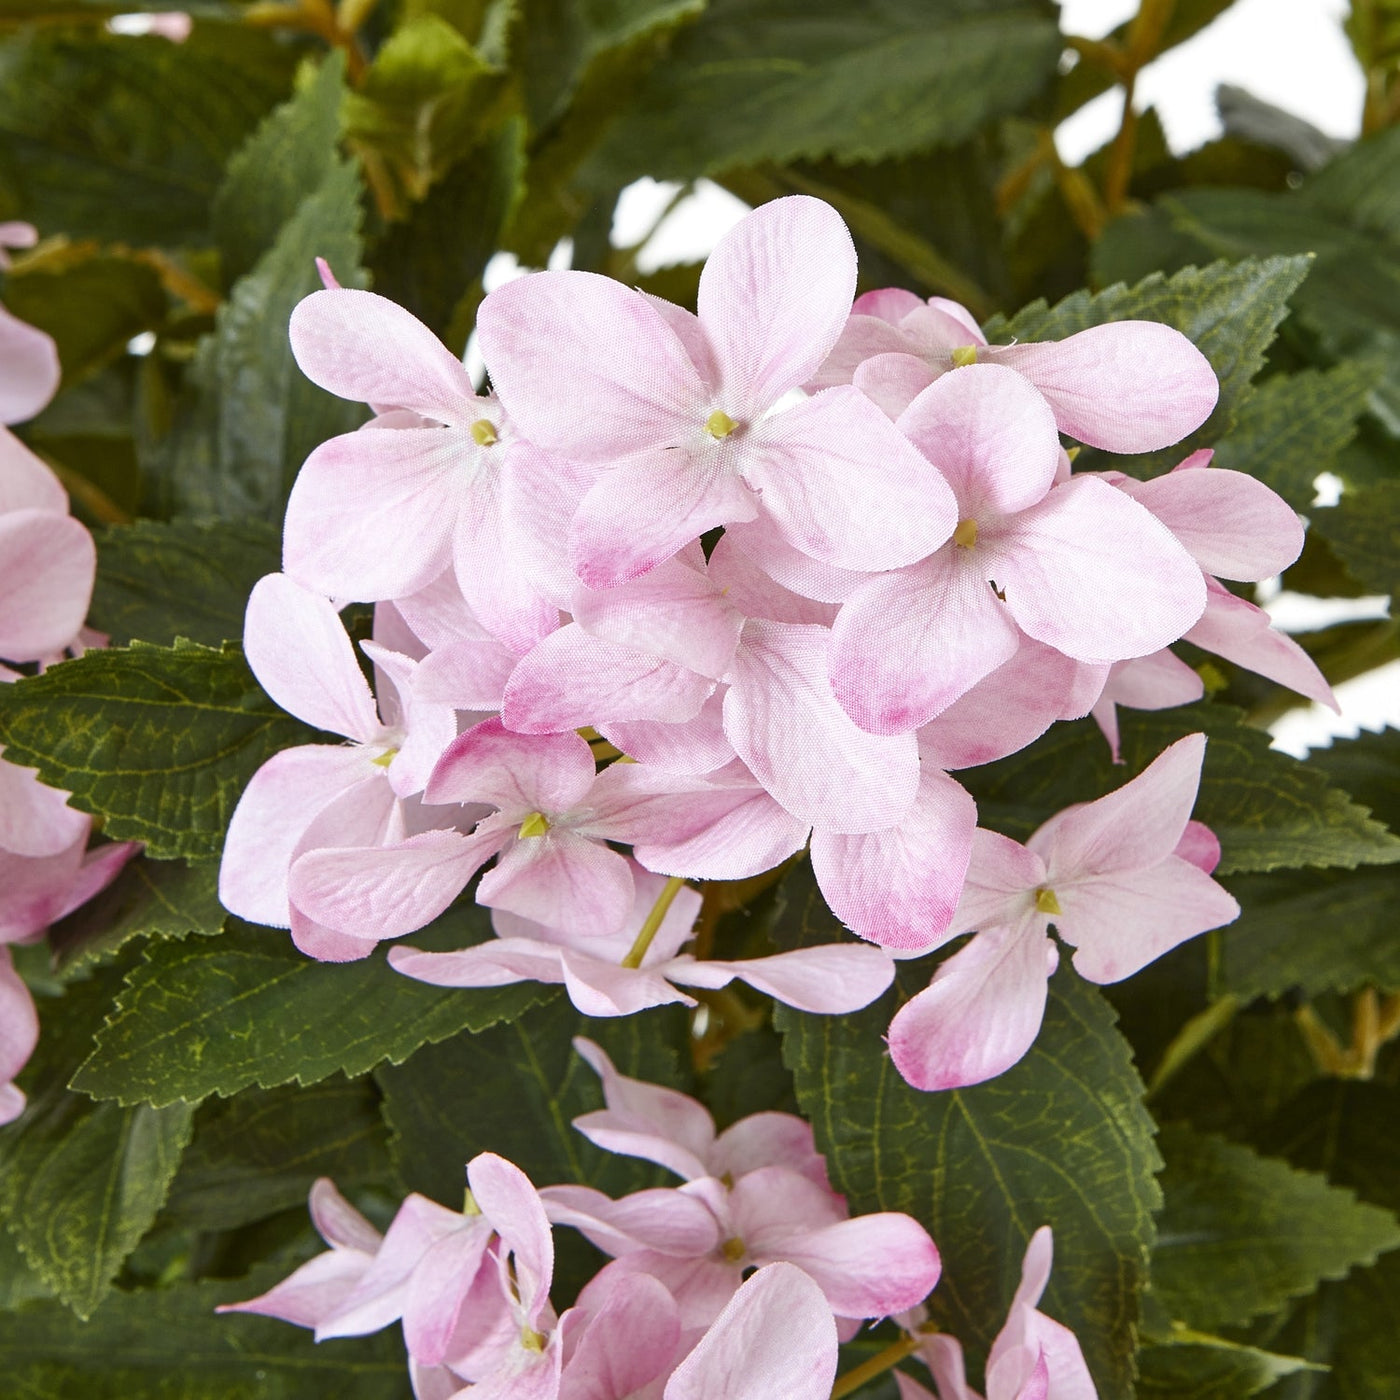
671 1315
797 559
47 568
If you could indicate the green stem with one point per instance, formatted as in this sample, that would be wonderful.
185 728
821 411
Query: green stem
647 932
877 1366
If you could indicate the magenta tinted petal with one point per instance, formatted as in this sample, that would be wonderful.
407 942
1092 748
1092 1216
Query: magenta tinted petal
663 1219
694 746
630 1340
515 772
510 1203
1001 876
47 566
560 879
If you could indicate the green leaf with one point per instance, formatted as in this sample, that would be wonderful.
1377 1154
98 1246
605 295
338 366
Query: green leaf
1240 1234
169 1344
1229 310
124 139
1061 1139
292 151
1368 767
1193 1366
160 580
81 1182
515 1089
19 1284
749 1076
1294 425
1364 531
259 1152
755 80
247 417
193 1019
149 899
160 741
90 305
1268 810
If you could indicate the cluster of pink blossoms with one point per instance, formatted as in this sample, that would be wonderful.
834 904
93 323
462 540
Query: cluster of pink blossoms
671 1316
798 559
47 567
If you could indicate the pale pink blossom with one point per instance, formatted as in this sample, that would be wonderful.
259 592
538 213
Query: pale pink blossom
1127 386
19 1034
679 408
1156 682
47 567
1123 879
29 369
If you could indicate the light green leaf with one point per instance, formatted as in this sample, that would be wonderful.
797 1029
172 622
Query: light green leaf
160 580
1240 1234
193 1019
749 82
1061 1139
1194 1366
160 741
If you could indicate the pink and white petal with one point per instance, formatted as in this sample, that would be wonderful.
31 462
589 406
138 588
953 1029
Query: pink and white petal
499 962
101 865
1001 876
1231 523
1199 845
649 507
1022 1374
298 649
467 674
893 381
662 1219
19 1020
369 349
1093 574
47 566
35 819
370 515
890 304
784 721
694 746
900 887
438 615
1155 682
907 645
769 1140
380 892
1240 632
598 988
1128 386
943 1355
337 1221
428 728
438 1289
1122 920
991 436
587 367
775 1337
774 296
315 1291
32 372
832 979
750 588
561 879
979 1015
573 679
279 803
842 485
511 1204
628 1342
1131 828
942 321
910 1389
630 802
26 482
866 334
540 493
518 773
327 944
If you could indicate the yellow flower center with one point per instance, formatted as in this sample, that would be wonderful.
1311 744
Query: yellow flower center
963 356
484 432
386 758
1046 902
536 824
719 424
733 1249
965 536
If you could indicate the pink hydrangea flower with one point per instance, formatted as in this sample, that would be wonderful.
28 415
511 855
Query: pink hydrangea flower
1123 879
679 408
1128 386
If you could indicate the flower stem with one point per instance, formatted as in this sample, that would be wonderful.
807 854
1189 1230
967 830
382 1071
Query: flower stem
647 932
877 1366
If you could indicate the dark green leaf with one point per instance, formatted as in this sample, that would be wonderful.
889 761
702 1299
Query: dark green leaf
1368 767
149 899
19 1283
194 1018
750 81
290 154
1195 1367
1364 530
158 740
123 138
247 417
160 580
1240 1234
1061 1139
259 1152
81 1182
749 1077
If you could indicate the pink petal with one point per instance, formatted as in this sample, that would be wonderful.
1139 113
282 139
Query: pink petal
627 1342
19 1021
907 645
315 1291
890 304
649 507
1199 845
587 367
1132 828
560 878
629 803
866 335
540 494
1155 682
774 296
843 486
991 436
1233 525
427 729
367 348
101 865
1129 386
468 674
35 819
830 980
1000 878
511 1204
277 806
519 774
893 381
691 334
599 988
338 1222
900 887
663 1219
439 1289
299 651
769 1140
979 1015
785 723
694 746
776 1337
1122 920
47 567
1092 579
371 515
496 963
943 1355
739 565
910 1389
26 482
31 372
